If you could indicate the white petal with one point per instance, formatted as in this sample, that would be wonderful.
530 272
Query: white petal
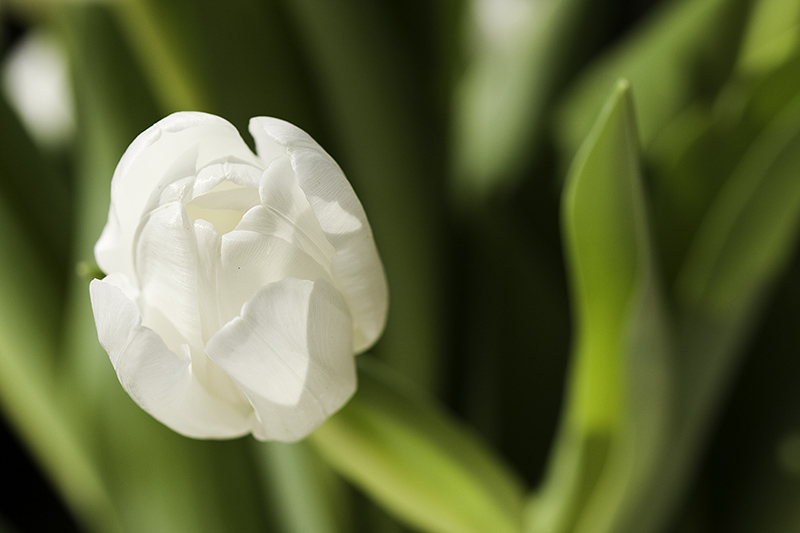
167 264
224 205
173 148
159 380
251 260
285 212
208 256
241 174
290 352
356 265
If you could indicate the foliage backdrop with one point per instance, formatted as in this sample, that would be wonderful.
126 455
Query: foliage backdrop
588 212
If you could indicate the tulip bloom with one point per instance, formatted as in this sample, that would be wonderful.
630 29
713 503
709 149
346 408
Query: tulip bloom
239 286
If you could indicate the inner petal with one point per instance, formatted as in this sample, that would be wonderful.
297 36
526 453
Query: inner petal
166 266
285 213
223 206
178 265
250 261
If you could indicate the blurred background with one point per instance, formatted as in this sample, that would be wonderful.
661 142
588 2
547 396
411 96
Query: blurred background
596 282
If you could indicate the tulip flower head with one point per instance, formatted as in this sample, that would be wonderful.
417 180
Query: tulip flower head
239 286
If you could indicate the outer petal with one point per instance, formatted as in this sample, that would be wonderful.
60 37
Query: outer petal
355 264
173 148
290 352
159 380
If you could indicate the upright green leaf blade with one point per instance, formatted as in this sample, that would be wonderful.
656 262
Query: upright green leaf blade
606 233
616 412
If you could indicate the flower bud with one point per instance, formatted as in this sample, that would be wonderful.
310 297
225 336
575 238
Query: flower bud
239 286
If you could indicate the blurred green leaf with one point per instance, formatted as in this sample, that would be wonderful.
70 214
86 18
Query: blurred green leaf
36 194
689 162
112 106
701 146
26 380
164 36
773 34
34 238
29 325
513 344
253 64
617 406
748 233
416 461
751 465
306 495
238 59
763 97
516 59
744 241
684 51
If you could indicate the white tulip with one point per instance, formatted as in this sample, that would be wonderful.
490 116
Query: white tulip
239 286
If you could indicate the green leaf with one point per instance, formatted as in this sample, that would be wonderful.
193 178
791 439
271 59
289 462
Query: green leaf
773 34
254 64
166 44
305 494
683 51
27 382
616 413
36 194
606 228
743 243
501 100
416 461
748 233
700 148
238 59
29 324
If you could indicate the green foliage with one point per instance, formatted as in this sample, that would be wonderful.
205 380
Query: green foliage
417 461
666 240
29 328
617 404
512 74
680 54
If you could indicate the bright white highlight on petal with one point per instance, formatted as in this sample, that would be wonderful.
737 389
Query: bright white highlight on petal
240 286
